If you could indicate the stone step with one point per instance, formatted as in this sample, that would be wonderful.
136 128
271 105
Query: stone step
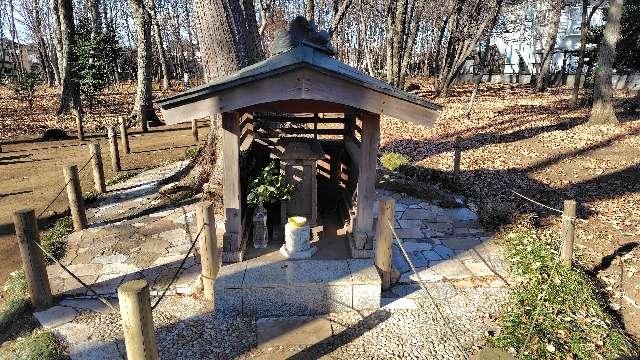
297 288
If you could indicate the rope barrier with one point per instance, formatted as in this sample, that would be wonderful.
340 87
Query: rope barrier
50 256
423 286
88 287
175 275
571 218
64 187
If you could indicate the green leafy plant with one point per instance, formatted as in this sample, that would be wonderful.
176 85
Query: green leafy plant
55 241
16 303
393 160
41 345
16 285
191 153
122 176
269 187
25 88
96 58
554 311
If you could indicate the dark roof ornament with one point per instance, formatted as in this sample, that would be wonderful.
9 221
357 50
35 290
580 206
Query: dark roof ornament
301 31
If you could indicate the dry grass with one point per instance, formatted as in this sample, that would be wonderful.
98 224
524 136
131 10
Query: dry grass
540 146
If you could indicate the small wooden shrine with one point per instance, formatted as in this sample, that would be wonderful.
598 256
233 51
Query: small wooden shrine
318 116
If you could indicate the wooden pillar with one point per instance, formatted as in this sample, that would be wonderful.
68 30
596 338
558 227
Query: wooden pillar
367 179
98 170
113 147
32 258
74 194
384 240
124 136
210 249
137 321
194 130
231 184
568 231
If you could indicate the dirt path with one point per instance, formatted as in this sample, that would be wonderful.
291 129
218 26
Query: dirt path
31 174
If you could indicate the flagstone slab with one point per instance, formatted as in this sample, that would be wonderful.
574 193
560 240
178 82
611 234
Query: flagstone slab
452 269
416 214
292 331
412 233
55 316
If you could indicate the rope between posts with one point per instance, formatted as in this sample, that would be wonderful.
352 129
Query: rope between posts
64 187
571 218
50 256
422 285
175 275
88 287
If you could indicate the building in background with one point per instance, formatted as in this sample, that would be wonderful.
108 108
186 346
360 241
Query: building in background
15 57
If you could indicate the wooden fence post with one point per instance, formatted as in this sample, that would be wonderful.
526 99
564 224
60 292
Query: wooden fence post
74 194
124 136
194 130
113 146
79 125
210 247
98 171
456 158
137 321
568 231
32 258
384 240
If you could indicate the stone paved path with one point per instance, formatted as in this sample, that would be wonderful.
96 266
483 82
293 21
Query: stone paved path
443 245
453 255
115 248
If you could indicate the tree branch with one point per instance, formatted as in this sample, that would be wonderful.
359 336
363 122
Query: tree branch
338 17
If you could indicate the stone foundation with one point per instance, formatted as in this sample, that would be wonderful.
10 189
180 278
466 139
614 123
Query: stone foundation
297 288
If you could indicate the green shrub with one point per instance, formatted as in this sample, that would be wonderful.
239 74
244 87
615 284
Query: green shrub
16 285
41 345
269 187
13 309
191 153
122 176
554 311
55 241
17 303
96 58
25 88
393 160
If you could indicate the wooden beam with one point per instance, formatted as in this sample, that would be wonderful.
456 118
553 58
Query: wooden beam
231 181
301 91
367 178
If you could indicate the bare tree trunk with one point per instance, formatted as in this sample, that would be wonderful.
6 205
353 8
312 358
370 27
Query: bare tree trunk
602 111
143 107
398 40
584 30
157 37
16 52
391 5
96 19
338 16
70 97
411 39
57 40
309 10
222 35
41 44
549 44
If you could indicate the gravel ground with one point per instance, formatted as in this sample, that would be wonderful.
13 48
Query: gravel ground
185 329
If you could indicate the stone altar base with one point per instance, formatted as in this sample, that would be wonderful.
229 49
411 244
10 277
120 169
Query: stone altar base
297 288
